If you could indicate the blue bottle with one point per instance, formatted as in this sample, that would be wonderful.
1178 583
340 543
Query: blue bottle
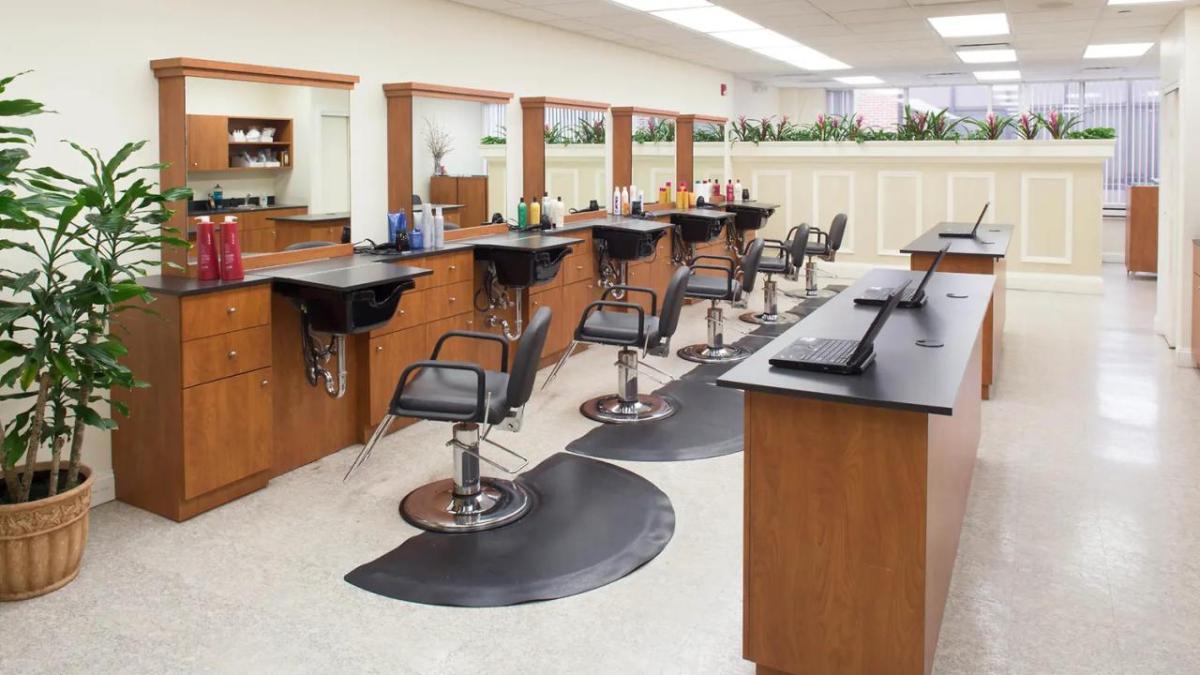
416 240
397 224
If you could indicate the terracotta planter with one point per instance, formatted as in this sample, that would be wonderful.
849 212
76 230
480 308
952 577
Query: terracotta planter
42 542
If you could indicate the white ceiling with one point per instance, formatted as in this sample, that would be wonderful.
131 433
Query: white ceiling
887 38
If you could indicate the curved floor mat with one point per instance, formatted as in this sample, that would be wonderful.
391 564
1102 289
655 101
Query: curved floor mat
708 424
593 524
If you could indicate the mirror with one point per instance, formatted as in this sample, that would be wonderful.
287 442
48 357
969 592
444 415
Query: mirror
708 155
575 159
276 156
653 154
459 163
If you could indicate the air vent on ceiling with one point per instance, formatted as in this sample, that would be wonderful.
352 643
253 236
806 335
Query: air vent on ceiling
1054 4
986 45
937 75
1103 68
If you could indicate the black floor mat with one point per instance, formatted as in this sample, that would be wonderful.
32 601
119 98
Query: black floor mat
593 524
708 424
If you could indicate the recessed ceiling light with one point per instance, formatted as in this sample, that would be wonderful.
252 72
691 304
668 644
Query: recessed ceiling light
759 38
1117 51
803 57
859 79
1137 2
708 19
997 75
659 5
970 25
987 55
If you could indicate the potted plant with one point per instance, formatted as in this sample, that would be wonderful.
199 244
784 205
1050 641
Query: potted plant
80 245
991 127
1057 124
439 142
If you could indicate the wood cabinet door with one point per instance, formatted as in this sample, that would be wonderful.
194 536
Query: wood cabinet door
561 325
1196 318
207 142
640 275
473 195
389 356
443 190
228 431
486 354
258 240
576 298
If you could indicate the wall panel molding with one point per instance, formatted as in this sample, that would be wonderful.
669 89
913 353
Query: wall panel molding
788 189
951 202
818 220
1029 211
883 215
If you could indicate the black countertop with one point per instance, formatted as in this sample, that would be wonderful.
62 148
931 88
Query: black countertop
182 286
313 217
904 375
990 240
524 241
231 210
346 273
751 205
711 214
450 247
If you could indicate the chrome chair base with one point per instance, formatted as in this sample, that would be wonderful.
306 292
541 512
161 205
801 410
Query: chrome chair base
765 319
610 409
437 508
702 353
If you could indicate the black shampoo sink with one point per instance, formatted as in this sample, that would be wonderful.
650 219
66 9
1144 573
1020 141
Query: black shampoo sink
700 226
750 215
522 261
629 243
345 295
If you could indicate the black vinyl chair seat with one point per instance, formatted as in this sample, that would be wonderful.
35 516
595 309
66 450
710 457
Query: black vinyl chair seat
618 328
713 288
435 393
773 265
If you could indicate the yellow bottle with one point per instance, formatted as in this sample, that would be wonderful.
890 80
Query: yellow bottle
535 213
662 195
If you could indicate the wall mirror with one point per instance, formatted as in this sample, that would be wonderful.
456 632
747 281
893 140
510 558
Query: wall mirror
276 156
458 161
575 157
653 166
708 150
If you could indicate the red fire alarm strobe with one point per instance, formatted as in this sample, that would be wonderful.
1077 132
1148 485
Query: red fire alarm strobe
724 88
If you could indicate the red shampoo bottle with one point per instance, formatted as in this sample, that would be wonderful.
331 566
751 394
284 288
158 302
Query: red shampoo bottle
231 251
206 250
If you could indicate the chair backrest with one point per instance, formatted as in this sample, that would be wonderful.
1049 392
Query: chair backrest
750 264
300 245
416 200
672 304
798 246
525 363
836 231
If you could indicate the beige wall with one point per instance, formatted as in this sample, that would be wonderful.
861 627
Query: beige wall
1054 202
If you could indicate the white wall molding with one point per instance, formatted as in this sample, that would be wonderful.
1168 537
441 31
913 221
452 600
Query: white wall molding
989 176
851 198
966 152
882 213
104 487
786 174
1068 209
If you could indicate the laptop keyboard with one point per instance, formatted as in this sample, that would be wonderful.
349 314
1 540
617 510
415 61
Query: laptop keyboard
835 351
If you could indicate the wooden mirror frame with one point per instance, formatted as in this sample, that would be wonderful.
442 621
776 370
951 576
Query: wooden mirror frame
533 139
400 97
172 141
685 152
622 135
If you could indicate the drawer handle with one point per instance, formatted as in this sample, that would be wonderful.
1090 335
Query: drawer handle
264 383
379 348
453 268
231 310
453 299
402 312
232 354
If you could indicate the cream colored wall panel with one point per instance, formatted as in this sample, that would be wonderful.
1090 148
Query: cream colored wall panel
774 186
709 168
833 193
565 182
1047 227
967 192
900 212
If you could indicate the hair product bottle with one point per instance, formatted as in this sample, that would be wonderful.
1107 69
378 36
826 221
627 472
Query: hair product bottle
522 213
206 250
231 251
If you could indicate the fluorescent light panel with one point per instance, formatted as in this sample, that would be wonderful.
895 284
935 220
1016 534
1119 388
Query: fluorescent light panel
1117 51
859 79
970 25
708 19
759 38
659 5
997 75
987 55
803 57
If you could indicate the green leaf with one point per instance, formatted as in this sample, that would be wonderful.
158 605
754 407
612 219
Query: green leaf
19 107
88 257
64 365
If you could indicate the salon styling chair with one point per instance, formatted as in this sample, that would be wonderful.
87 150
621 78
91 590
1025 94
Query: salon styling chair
717 289
825 247
789 255
469 396
628 326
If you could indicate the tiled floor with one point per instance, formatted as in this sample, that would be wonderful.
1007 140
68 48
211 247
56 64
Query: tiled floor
1081 552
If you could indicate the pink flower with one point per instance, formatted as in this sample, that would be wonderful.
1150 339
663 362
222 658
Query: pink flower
991 119
858 121
821 119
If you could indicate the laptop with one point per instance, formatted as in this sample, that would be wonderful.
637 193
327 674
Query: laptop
842 357
962 232
911 298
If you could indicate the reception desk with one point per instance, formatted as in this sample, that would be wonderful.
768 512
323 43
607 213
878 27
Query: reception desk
1052 192
856 486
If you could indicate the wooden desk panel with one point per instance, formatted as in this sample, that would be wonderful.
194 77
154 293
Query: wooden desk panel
1141 230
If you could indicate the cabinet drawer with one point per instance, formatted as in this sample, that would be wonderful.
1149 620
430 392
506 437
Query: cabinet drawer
226 311
411 312
577 269
228 431
213 358
584 249
446 301
448 268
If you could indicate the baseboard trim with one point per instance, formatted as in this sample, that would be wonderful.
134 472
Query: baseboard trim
1113 257
1185 358
1021 281
104 487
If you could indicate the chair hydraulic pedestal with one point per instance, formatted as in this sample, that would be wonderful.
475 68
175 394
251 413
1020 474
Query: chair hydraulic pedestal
716 290
468 395
825 248
789 252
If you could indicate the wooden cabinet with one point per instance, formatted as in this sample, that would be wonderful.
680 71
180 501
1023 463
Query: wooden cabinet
389 355
201 434
470 191
1141 230
561 324
207 143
